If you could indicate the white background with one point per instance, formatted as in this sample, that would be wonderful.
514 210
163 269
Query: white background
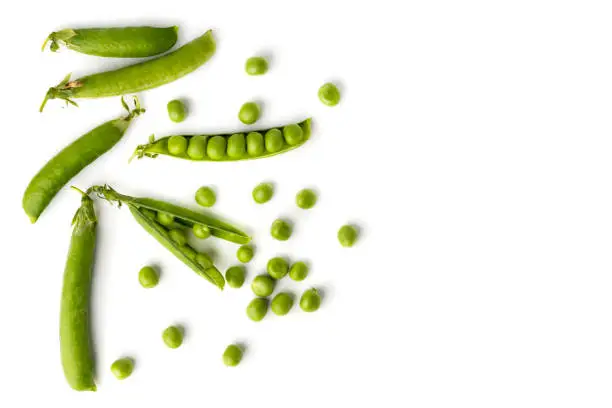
472 145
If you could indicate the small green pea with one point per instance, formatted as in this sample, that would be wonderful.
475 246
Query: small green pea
173 337
277 267
306 199
232 355
165 219
255 144
298 271
216 147
329 94
263 192
201 231
310 300
204 260
149 213
236 146
205 196
189 252
256 66
274 140
235 276
177 145
263 285
249 113
178 236
347 235
293 134
245 253
257 309
281 230
122 368
282 303
176 110
148 277
197 147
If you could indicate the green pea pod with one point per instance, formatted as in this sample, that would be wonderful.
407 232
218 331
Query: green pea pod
72 159
250 147
116 42
75 334
138 77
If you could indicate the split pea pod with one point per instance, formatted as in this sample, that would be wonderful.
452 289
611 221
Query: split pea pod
138 77
116 42
75 332
72 159
231 147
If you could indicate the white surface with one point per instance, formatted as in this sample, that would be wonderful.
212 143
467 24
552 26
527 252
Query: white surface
472 145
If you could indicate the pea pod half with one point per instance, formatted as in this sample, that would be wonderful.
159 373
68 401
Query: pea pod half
229 147
117 42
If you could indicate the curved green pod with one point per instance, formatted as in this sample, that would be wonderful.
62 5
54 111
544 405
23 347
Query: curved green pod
249 148
115 42
138 77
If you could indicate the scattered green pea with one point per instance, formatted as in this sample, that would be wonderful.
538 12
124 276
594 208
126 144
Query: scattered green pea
282 303
263 285
236 146
206 197
176 110
189 251
347 235
148 277
263 192
274 140
310 300
165 219
306 199
178 236
256 66
201 231
255 144
257 309
249 113
173 337
281 230
232 355
277 267
197 147
245 253
177 145
329 94
122 368
298 271
204 259
293 134
216 147
235 276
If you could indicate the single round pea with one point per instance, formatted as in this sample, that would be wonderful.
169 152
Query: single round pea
281 230
277 267
201 231
347 235
189 251
197 147
257 309
256 66
274 140
232 355
263 192
236 146
148 277
176 110
255 144
205 196
149 213
263 285
173 337
298 271
122 368
204 260
216 147
235 276
306 199
249 113
293 134
310 300
282 303
329 94
245 253
165 219
178 236
177 145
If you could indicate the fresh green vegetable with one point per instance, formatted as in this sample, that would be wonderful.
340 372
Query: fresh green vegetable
274 141
232 355
263 285
189 252
115 42
257 309
138 77
148 277
236 146
164 219
215 149
310 300
173 337
255 144
72 159
306 199
293 134
122 368
205 196
256 66
204 259
298 271
201 231
177 145
263 192
277 268
197 147
178 236
329 94
235 276
281 230
249 113
245 253
282 303
347 235
176 111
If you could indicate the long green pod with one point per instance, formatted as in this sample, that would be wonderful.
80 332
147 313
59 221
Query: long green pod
75 331
72 159
116 42
138 77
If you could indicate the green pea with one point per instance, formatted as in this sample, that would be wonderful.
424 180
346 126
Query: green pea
282 303
274 140
255 144
245 253
347 235
263 192
165 219
306 199
197 147
216 147
235 276
281 230
173 337
310 300
277 268
204 259
329 94
256 66
257 309
232 355
201 231
149 213
206 197
263 285
177 145
122 368
178 236
236 146
293 134
189 252
249 113
298 271
176 111
148 277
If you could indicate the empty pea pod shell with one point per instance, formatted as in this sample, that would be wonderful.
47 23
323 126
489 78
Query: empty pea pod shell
116 42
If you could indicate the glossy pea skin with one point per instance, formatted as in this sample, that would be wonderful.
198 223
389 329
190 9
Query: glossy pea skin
310 300
178 236
173 337
282 303
277 268
245 253
201 231
234 276
347 236
293 134
232 355
177 145
236 146
256 66
176 111
204 260
257 309
206 197
281 230
274 140
197 147
216 147
263 285
263 192
329 94
165 219
249 113
306 199
148 277
122 368
255 144
298 271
